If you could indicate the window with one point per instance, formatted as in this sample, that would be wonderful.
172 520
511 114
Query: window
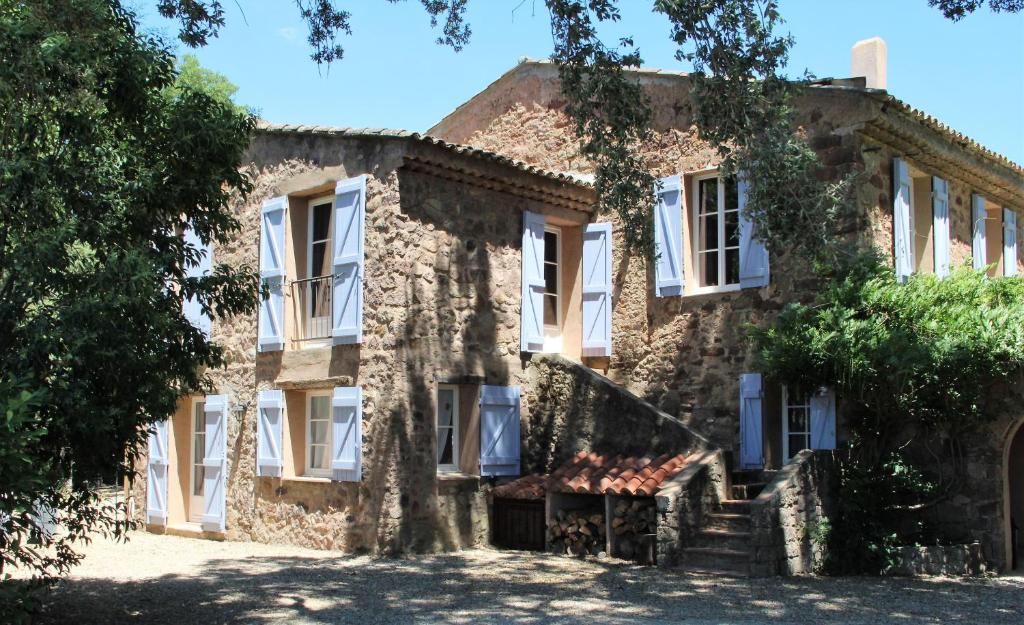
318 433
796 424
447 428
552 289
318 267
195 511
716 233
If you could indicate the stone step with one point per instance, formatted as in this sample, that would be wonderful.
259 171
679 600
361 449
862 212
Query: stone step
716 561
746 477
716 538
734 506
728 521
747 491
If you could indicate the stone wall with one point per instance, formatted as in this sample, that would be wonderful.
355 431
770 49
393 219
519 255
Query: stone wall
945 560
783 518
684 501
576 409
441 304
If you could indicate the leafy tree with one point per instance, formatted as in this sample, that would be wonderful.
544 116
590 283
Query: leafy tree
194 77
956 10
103 162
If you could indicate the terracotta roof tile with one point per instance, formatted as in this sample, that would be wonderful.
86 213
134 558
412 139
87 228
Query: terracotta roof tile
597 474
527 487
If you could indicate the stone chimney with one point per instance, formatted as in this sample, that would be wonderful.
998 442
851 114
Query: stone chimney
868 61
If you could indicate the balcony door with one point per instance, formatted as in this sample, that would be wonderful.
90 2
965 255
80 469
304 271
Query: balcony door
318 268
196 472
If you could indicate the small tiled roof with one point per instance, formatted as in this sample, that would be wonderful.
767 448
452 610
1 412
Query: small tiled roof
598 474
528 487
455 148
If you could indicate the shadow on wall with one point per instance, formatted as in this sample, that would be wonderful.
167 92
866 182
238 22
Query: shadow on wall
451 333
509 587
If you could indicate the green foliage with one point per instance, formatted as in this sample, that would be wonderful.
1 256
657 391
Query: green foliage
193 77
103 161
956 10
925 354
872 520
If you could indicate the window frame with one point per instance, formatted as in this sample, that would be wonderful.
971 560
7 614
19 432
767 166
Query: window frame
194 516
308 469
786 455
454 466
313 203
553 333
695 239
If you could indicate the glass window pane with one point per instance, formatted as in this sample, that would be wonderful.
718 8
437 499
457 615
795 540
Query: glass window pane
709 269
318 457
550 247
732 266
709 232
318 432
321 221
708 201
320 407
797 419
732 228
797 443
551 278
445 406
445 451
319 254
550 313
732 200
197 481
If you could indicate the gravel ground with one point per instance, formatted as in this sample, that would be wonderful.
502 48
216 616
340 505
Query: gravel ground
178 581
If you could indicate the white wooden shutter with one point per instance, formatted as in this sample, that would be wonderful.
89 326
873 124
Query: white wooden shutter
751 425
978 216
754 271
1009 242
499 430
272 273
215 463
531 322
269 431
940 219
156 475
668 238
823 420
349 224
903 241
347 433
192 309
597 290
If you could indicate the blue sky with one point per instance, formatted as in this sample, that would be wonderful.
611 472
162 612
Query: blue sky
968 74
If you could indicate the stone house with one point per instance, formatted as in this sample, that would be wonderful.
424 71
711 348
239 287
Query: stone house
446 312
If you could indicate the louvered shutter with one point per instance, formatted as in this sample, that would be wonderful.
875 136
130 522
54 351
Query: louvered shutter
1009 242
823 420
499 430
347 433
269 431
531 322
754 271
215 463
597 290
668 238
940 219
349 218
978 215
751 432
903 242
272 273
156 475
192 309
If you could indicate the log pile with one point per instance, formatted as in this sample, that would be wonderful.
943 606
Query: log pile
577 532
631 521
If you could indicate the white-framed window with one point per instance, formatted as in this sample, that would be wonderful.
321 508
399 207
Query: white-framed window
318 433
715 233
796 423
319 266
447 428
552 289
198 453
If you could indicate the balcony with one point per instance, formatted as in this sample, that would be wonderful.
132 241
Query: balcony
311 302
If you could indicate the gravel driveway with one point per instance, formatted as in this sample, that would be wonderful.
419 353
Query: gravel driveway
164 579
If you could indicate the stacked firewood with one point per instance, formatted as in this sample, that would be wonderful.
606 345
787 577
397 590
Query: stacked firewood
631 520
577 532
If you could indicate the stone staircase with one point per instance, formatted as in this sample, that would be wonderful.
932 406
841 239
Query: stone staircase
722 545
